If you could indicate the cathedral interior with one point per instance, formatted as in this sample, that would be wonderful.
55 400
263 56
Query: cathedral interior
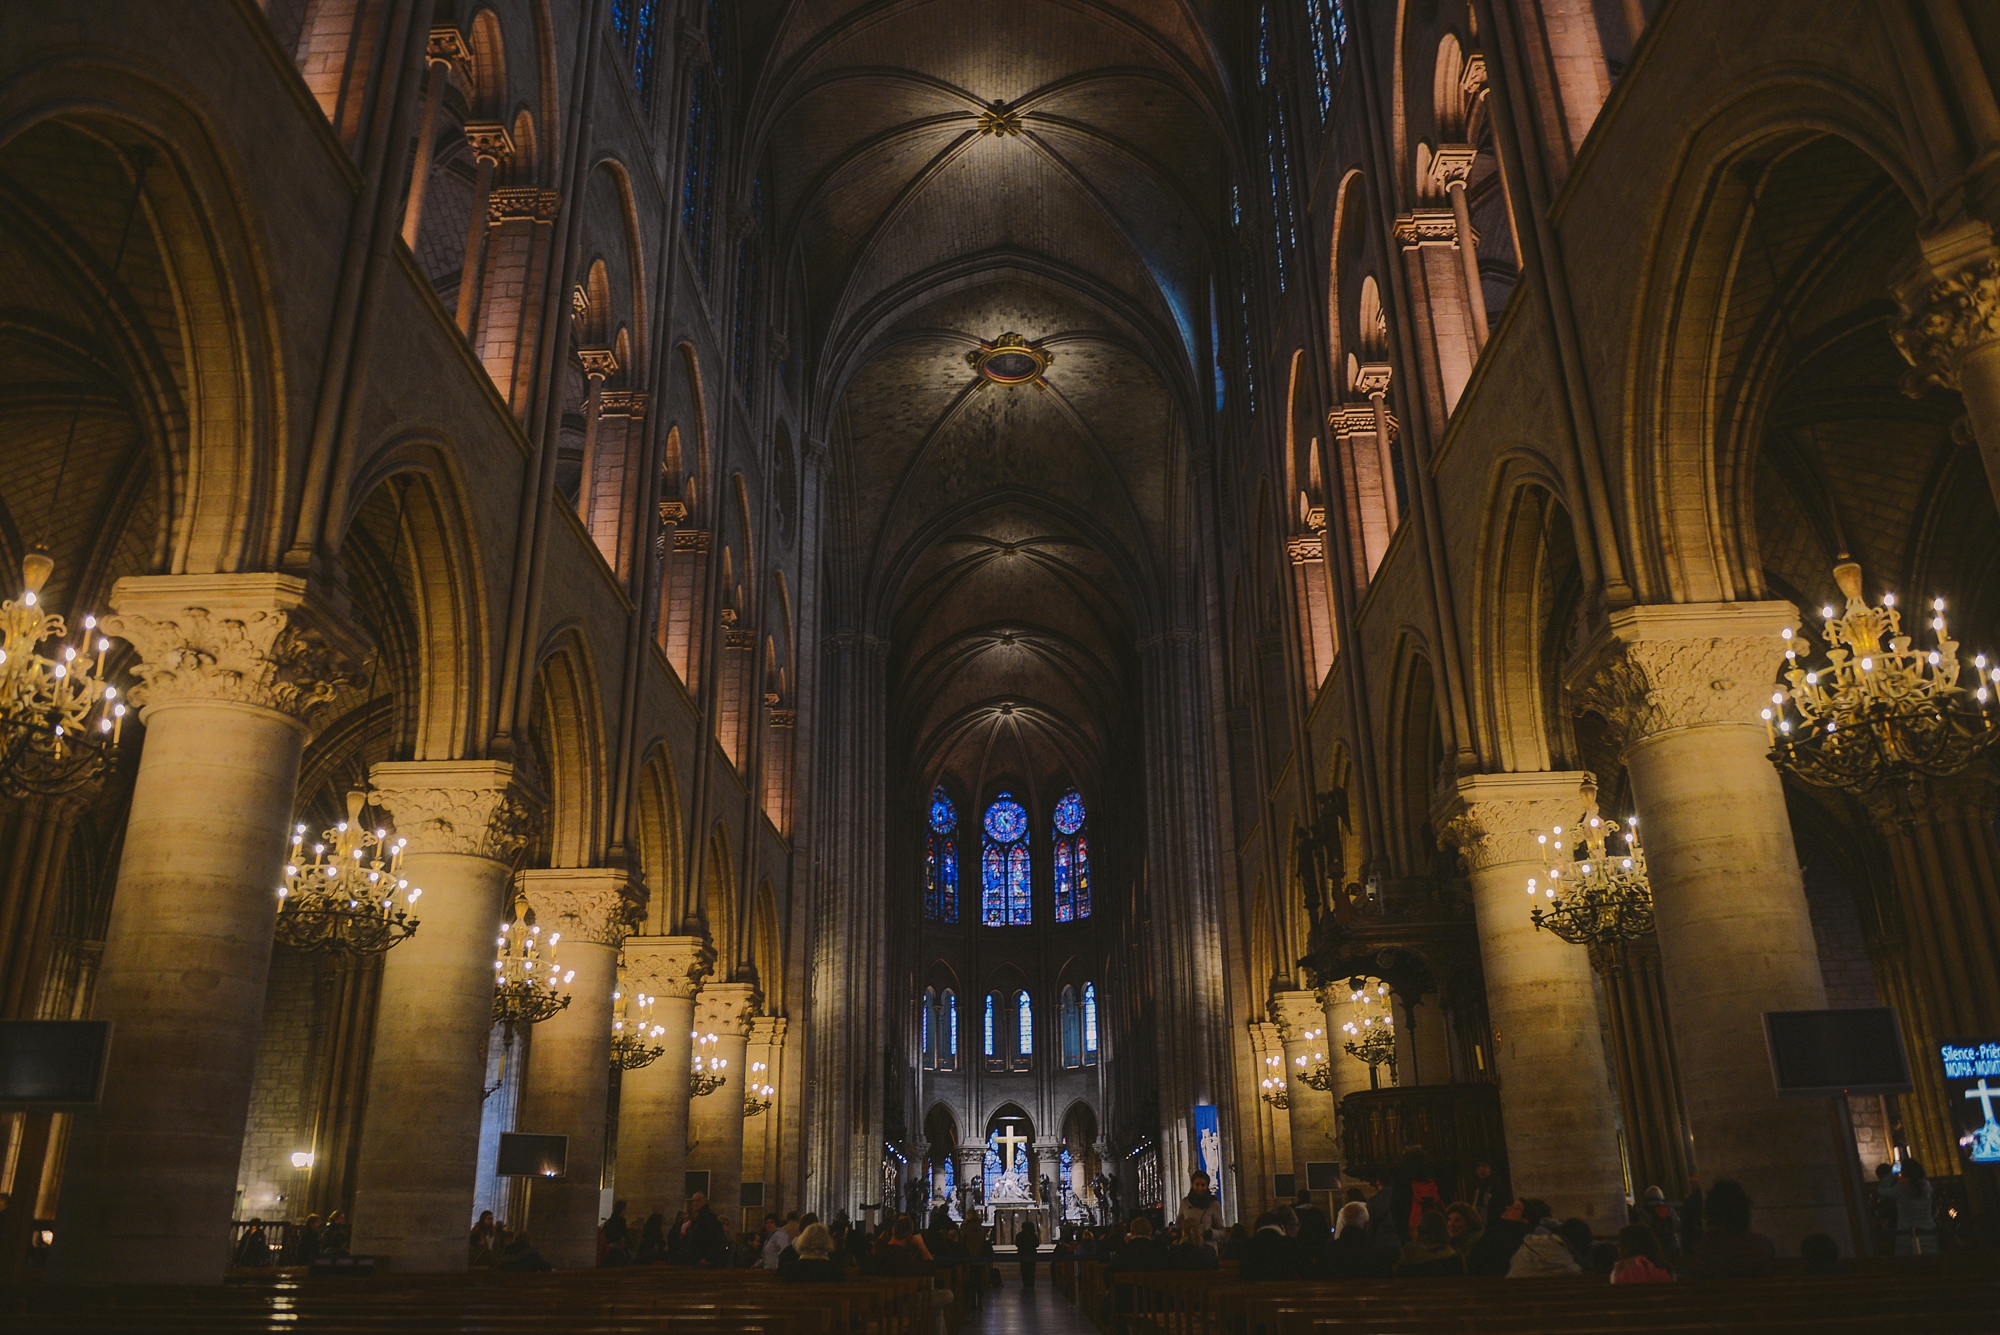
1038 578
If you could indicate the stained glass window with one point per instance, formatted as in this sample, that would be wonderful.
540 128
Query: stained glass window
930 1053
1263 45
1026 1010
951 1186
1090 1024
941 859
642 48
950 1062
697 136
1071 855
991 1050
1072 1029
1316 11
621 20
992 1158
1006 893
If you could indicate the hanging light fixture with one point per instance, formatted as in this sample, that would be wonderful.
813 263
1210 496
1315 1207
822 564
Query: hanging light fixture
347 894
59 717
1596 894
1273 1090
758 1100
1373 1035
633 1035
1313 1072
705 1077
527 988
1878 709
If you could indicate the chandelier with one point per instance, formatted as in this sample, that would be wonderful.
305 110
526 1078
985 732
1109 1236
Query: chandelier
59 717
1273 1087
758 1100
706 1076
1313 1072
1374 1036
632 1044
526 988
343 896
1878 709
1595 895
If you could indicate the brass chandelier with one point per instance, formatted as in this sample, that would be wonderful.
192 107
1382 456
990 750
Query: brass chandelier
758 1101
1273 1089
632 1039
705 1076
1879 709
59 717
527 988
1595 895
1374 1036
348 894
1313 1072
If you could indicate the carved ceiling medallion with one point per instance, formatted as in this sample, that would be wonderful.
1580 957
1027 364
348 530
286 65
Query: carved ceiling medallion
1010 360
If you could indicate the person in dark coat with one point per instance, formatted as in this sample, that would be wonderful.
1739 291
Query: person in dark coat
1494 1252
704 1241
1728 1249
1430 1254
815 1264
1314 1226
1275 1252
1353 1254
1027 1245
1142 1252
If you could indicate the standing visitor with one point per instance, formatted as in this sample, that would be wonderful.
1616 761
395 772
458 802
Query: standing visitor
1728 1249
1916 1215
1202 1206
1027 1243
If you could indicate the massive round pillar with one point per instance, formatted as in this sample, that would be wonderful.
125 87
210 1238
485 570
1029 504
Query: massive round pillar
231 664
653 1100
715 1120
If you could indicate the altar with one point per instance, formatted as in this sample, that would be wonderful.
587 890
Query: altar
1012 1196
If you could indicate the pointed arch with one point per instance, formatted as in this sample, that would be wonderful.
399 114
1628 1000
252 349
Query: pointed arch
567 732
715 909
662 859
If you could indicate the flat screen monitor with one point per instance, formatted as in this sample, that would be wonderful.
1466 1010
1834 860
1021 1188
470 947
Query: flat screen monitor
524 1154
1827 1054
1971 1069
53 1065
1323 1176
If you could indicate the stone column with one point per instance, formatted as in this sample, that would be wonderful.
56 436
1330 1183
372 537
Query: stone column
1950 328
715 1121
971 1168
599 365
653 1100
445 50
490 147
1302 1028
1556 1100
35 837
230 666
568 1080
761 1133
1453 164
467 821
1642 1060
1350 1076
1945 868
1681 687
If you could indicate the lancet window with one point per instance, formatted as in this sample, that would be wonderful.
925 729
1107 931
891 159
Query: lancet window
941 859
1070 851
1006 893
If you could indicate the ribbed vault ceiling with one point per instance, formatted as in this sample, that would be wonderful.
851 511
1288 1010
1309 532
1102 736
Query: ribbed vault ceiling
944 173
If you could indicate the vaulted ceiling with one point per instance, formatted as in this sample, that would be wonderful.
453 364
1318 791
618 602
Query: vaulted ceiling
944 173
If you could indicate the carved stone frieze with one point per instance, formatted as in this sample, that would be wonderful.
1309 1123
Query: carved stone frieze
252 639
622 403
1493 819
1305 547
474 808
784 718
667 966
691 540
1427 227
726 1008
1656 669
594 904
1944 318
524 202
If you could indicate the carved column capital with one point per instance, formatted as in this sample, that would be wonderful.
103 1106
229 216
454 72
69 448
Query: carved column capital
726 1008
1294 1013
473 808
1493 819
446 46
489 140
768 1030
1653 670
265 640
1949 306
1452 165
673 512
598 363
1372 379
667 966
594 904
1968 798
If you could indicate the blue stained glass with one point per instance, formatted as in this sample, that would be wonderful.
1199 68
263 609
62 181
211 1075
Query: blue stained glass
1263 46
1090 1017
703 248
930 1056
1069 813
1322 75
1337 38
642 48
691 177
1274 164
993 887
1027 1013
950 1182
941 859
1065 886
990 1050
951 1024
1020 894
944 816
992 1157
621 20
1080 870
1006 820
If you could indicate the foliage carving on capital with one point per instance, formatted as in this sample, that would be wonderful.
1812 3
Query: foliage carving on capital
1491 832
1943 319
472 809
593 905
1295 1012
255 640
1647 687
726 1008
667 966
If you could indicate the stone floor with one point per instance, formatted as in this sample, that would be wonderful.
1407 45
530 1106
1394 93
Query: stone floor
1039 1311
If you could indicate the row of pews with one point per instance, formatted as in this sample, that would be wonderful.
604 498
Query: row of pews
1956 1293
657 1300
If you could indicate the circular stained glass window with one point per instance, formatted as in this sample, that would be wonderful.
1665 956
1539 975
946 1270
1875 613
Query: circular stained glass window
1006 821
943 815
1069 813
